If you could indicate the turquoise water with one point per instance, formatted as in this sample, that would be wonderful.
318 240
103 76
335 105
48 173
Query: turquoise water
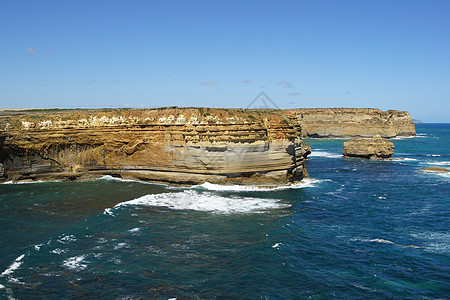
358 229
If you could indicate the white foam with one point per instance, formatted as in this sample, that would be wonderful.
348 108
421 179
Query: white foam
14 266
37 247
2 286
133 230
206 201
326 154
404 159
67 239
404 137
437 173
58 251
111 178
308 182
108 212
277 245
75 263
382 241
30 181
120 246
435 241
440 163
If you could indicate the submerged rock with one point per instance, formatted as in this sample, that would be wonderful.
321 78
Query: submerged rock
374 148
435 169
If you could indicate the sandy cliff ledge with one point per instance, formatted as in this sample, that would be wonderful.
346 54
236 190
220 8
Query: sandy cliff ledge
172 145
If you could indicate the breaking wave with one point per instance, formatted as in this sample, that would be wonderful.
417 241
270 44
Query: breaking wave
308 182
204 201
440 163
76 263
324 154
14 266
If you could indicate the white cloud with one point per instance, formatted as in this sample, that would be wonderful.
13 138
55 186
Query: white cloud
246 81
294 94
31 50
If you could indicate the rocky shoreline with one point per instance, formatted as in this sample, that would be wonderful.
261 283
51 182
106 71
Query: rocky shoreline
175 145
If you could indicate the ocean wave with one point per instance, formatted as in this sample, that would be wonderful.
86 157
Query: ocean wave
324 154
436 242
134 230
120 246
58 251
37 247
440 163
75 263
30 181
108 212
408 137
383 241
308 182
111 178
404 159
13 267
436 173
207 202
65 239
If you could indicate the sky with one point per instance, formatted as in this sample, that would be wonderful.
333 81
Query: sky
96 54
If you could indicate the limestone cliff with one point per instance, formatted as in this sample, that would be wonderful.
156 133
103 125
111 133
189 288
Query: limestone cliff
173 145
354 122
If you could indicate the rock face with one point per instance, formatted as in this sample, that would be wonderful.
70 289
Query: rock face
374 148
171 145
354 122
436 169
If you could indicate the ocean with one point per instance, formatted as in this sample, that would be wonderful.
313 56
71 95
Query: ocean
358 229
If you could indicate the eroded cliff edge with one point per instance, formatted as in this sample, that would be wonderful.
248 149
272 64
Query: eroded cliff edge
171 145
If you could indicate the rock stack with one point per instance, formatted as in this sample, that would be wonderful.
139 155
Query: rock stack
374 148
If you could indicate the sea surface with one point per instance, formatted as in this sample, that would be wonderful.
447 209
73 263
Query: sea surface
358 229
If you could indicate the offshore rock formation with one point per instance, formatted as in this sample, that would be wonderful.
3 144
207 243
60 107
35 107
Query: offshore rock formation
374 148
170 145
435 169
354 122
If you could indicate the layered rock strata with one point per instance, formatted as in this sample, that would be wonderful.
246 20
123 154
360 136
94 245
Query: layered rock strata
374 148
354 122
171 145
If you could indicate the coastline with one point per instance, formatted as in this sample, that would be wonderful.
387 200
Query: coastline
181 146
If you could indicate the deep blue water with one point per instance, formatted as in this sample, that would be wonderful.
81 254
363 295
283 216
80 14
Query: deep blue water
357 229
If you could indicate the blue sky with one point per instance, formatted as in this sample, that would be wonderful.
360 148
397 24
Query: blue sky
92 54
